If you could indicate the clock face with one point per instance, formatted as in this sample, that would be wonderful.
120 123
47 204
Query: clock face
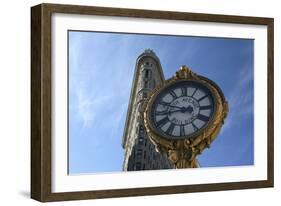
182 109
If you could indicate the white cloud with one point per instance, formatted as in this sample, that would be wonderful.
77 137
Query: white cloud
241 99
88 106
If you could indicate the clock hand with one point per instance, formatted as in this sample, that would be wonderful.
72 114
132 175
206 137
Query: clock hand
168 112
182 110
173 111
189 109
176 107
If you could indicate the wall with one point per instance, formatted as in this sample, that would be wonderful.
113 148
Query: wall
15 102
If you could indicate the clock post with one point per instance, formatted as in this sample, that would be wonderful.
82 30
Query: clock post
183 116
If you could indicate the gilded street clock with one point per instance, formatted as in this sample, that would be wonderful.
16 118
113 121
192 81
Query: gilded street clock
184 115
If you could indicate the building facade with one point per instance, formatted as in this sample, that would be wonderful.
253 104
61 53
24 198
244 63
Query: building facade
140 153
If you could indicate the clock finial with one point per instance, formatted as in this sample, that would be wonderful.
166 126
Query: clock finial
184 68
185 73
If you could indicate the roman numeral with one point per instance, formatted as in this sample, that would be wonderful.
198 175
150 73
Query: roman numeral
184 91
170 129
164 103
194 126
165 112
162 122
182 133
206 107
195 90
203 97
173 94
203 118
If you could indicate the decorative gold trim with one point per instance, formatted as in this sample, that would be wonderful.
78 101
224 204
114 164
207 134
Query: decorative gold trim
185 73
182 152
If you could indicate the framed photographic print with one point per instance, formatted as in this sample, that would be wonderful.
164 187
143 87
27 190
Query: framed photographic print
128 102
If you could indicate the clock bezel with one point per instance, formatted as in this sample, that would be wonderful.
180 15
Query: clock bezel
199 140
155 96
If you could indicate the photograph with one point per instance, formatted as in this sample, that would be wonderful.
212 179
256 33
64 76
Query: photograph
112 76
132 102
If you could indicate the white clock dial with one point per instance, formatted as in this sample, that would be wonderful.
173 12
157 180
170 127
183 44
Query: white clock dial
182 109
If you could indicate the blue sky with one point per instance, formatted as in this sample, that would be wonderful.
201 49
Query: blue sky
101 67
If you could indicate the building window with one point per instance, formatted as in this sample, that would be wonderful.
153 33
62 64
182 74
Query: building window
141 130
144 156
140 140
138 166
143 167
144 95
145 84
146 73
139 152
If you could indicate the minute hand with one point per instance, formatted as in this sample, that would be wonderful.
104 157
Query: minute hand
172 111
176 107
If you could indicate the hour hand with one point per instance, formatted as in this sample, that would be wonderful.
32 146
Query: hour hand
189 109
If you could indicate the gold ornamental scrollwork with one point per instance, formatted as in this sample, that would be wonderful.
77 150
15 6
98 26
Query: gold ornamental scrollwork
182 152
